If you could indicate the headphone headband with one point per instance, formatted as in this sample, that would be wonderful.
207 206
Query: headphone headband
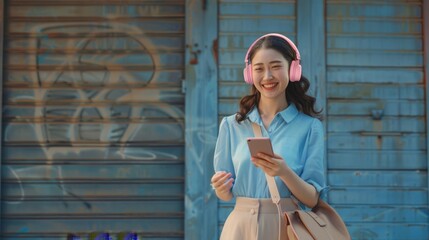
298 56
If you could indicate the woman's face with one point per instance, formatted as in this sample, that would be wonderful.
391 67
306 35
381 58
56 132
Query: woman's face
270 72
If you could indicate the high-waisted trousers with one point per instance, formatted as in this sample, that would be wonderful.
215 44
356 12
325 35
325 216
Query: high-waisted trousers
256 219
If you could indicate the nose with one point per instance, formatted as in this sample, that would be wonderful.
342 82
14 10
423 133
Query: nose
268 74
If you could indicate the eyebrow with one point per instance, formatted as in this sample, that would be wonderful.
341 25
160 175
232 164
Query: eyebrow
272 62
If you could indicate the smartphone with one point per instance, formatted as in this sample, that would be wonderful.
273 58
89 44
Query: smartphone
260 145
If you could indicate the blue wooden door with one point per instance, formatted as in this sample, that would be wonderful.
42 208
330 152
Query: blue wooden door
93 119
377 152
240 23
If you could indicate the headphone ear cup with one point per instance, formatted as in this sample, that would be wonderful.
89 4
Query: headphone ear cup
247 73
295 71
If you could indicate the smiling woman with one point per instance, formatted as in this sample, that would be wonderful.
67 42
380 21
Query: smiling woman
279 104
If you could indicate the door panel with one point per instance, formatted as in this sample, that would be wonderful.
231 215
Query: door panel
377 151
93 119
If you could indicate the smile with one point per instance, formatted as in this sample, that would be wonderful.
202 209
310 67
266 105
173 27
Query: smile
269 86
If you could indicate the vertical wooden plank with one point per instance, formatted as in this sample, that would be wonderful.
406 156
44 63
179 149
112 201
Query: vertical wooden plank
311 45
426 70
1 95
201 118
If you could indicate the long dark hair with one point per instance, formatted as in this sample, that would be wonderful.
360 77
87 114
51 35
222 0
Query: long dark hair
296 92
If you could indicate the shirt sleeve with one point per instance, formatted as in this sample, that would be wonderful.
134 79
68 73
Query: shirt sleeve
222 156
314 169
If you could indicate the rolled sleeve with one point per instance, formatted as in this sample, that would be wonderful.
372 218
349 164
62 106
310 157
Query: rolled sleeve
314 169
222 156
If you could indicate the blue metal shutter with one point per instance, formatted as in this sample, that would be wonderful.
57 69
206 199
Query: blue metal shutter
376 117
93 117
240 23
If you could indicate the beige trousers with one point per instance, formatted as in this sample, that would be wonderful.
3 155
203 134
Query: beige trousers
255 219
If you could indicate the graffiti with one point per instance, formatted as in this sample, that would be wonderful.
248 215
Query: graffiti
102 90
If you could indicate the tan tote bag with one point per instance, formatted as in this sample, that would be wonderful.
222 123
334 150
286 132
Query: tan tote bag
322 222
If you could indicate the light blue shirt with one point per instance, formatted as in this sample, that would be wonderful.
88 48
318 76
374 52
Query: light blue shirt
295 136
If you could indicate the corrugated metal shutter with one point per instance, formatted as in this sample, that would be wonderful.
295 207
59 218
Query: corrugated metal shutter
93 118
377 159
240 23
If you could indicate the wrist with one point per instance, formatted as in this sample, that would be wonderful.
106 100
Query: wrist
225 196
286 172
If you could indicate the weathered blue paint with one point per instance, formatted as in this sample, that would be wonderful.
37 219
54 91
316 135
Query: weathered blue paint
94 122
311 44
283 8
373 160
385 196
389 231
234 40
72 150
376 43
377 165
201 119
1 99
382 178
379 213
426 77
240 23
261 25
375 91
376 141
365 124
372 9
351 74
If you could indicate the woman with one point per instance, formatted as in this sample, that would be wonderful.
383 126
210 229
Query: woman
279 104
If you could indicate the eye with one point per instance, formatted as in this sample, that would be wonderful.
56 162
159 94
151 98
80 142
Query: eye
277 66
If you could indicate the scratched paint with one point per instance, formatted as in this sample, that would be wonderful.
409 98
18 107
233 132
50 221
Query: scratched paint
93 120
374 84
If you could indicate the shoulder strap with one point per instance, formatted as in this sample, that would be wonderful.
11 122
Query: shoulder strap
274 191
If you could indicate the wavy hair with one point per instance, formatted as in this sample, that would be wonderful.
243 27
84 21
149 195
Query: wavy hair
296 92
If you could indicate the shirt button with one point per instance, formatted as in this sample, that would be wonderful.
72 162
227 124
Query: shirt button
252 211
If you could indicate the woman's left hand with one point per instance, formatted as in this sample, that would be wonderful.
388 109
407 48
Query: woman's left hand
273 166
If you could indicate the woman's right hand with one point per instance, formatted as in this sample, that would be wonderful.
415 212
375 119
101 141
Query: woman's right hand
222 183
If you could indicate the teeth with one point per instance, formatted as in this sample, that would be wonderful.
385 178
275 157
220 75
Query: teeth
269 85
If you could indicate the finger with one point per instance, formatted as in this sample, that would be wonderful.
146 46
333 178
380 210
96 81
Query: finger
217 176
265 156
221 180
264 162
259 162
226 186
225 177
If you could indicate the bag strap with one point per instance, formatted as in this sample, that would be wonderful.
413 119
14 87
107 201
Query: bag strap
272 186
274 191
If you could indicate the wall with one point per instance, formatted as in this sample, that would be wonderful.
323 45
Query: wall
93 119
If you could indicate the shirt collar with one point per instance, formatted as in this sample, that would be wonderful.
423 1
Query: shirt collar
287 114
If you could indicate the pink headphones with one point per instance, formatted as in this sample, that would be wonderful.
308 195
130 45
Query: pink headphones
295 68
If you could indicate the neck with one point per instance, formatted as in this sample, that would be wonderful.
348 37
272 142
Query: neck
268 108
